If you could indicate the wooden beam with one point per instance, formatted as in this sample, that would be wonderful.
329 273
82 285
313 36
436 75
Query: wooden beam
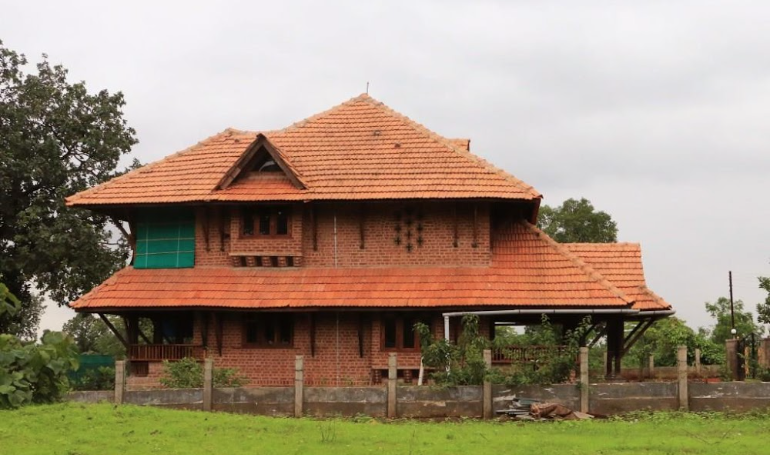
475 232
204 215
142 334
599 335
224 230
203 320
218 331
313 334
115 331
362 216
361 336
314 228
455 225
633 339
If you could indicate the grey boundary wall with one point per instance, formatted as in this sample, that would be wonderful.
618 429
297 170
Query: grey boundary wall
393 400
436 402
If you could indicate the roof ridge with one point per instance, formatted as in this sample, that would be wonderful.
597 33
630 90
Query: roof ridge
447 143
578 262
144 168
303 122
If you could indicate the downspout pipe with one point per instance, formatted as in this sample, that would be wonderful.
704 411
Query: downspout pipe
629 311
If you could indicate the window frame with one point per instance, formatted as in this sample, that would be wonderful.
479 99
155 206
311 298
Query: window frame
256 213
263 320
399 319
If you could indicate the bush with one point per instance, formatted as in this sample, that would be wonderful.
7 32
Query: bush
188 374
35 373
102 378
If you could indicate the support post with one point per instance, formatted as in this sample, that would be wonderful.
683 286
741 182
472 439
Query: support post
299 377
120 380
697 361
651 366
584 377
208 375
487 388
730 358
391 411
682 377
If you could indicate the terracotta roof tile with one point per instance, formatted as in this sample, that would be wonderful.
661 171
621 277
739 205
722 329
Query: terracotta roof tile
360 149
529 270
621 263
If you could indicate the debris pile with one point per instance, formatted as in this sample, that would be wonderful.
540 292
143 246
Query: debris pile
530 409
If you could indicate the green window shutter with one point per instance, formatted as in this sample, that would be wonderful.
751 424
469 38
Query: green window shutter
165 239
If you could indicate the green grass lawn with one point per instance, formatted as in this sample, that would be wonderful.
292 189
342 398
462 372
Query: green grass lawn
130 430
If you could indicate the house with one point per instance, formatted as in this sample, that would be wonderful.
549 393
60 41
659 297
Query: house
331 238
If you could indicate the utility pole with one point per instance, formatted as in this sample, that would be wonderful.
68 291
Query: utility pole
731 295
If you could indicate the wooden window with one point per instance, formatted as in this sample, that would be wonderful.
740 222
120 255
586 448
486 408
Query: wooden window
270 330
266 222
398 333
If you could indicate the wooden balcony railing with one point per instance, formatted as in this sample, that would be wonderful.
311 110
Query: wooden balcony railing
157 352
525 354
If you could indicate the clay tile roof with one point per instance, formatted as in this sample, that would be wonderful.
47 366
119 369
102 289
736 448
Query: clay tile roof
529 270
360 149
621 263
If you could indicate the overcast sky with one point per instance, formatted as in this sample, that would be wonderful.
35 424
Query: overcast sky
656 111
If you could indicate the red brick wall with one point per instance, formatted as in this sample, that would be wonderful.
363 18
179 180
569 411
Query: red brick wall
216 253
337 361
380 224
280 246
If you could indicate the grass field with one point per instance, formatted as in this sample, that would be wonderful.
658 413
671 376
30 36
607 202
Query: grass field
70 429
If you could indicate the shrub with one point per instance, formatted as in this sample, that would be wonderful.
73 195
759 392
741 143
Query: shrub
35 373
188 374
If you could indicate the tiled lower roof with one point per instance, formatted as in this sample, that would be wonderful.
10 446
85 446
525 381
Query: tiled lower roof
621 263
528 270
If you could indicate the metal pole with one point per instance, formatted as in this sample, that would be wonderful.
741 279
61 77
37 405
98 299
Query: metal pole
731 295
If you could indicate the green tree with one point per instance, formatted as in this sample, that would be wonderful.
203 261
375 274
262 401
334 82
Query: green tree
764 314
662 340
92 336
56 139
577 221
720 310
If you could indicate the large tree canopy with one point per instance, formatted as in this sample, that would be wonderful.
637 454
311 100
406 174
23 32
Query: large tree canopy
577 221
56 138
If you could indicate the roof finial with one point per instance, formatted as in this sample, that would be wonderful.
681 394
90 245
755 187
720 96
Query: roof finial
367 92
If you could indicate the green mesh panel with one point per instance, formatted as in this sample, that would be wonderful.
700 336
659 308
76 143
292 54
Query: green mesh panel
165 239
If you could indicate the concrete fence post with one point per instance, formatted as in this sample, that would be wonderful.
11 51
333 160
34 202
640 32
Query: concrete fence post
697 361
299 383
391 410
120 380
651 367
208 383
730 358
682 377
487 388
583 378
